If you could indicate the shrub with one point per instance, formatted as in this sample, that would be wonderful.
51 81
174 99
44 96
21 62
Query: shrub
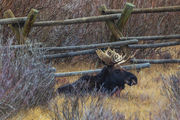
84 108
171 90
25 80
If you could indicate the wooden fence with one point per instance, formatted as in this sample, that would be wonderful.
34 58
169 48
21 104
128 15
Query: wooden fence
127 67
21 27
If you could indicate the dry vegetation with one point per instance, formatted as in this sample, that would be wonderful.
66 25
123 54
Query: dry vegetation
157 94
24 80
148 100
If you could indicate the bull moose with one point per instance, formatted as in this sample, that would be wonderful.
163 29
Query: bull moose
111 79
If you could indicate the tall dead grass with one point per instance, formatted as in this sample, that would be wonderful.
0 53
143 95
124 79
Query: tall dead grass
171 89
145 101
25 80
83 108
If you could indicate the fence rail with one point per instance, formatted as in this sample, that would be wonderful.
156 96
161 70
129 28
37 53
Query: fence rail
124 40
159 61
127 67
20 46
91 46
160 37
112 14
92 51
13 20
146 10
155 45
62 22
69 54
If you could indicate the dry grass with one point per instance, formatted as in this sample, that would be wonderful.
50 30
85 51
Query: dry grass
143 101
24 80
147 100
172 92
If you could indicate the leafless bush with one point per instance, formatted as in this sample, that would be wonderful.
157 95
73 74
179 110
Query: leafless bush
98 111
25 80
171 90
84 108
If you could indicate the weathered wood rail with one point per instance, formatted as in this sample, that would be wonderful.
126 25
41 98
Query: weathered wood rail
127 67
21 46
69 54
155 45
62 22
93 51
146 10
152 61
91 46
113 16
139 38
159 37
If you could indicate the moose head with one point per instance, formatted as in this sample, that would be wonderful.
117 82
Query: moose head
111 78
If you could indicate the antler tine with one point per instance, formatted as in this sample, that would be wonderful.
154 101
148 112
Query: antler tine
111 57
129 57
104 56
116 57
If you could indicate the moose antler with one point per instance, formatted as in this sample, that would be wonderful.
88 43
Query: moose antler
111 57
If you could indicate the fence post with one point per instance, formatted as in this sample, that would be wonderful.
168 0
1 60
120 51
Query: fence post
125 15
111 25
22 33
28 24
15 29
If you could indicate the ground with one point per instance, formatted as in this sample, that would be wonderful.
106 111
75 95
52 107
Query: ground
143 101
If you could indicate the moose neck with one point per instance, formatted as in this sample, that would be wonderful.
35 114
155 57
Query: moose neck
100 77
